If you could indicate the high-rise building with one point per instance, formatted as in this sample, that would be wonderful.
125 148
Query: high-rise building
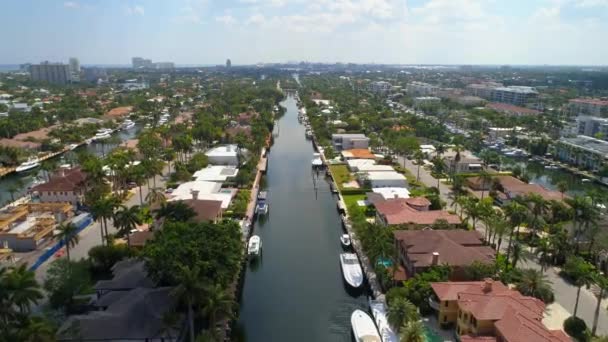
74 64
141 63
228 63
164 65
55 73
74 69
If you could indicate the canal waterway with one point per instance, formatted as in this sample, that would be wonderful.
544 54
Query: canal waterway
296 292
22 181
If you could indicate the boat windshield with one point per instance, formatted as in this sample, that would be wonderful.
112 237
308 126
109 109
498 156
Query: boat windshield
350 260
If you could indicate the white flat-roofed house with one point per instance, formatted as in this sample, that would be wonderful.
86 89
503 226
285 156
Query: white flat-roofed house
349 141
384 179
224 155
375 168
216 173
388 193
203 190
354 164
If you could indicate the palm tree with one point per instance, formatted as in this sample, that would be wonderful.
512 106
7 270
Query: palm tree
585 214
216 304
535 284
583 274
486 180
48 166
538 207
189 291
516 214
412 332
22 288
543 251
38 330
419 158
401 311
68 233
127 219
602 282
175 211
155 195
438 168
103 210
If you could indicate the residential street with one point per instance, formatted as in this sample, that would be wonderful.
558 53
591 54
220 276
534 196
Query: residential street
91 236
565 293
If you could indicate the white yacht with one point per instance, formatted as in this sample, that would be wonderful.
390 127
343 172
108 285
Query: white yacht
128 124
103 133
379 312
31 163
363 327
255 246
316 160
345 240
261 207
351 269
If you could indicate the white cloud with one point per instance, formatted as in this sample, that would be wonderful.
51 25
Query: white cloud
226 19
135 10
591 3
71 4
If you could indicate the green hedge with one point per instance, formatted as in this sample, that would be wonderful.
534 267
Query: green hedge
361 191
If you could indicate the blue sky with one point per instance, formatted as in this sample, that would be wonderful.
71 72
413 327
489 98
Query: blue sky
361 31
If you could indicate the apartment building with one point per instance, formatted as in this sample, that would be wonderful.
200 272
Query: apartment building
421 89
588 106
592 126
379 87
54 73
583 151
490 311
516 95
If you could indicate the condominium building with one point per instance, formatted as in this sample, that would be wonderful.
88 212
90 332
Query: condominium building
74 69
517 95
583 151
421 89
141 63
164 65
592 126
426 100
54 73
587 106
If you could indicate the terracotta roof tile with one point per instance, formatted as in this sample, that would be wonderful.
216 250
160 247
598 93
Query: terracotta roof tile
399 211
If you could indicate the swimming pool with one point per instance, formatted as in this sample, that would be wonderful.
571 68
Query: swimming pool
431 336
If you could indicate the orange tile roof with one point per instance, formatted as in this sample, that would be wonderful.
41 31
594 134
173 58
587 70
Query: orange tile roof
517 318
119 111
361 153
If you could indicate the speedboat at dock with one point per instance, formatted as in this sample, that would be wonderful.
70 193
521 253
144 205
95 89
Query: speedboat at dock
261 207
31 163
345 240
363 327
351 269
255 246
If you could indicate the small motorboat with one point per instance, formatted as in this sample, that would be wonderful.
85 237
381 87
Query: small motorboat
31 163
255 246
351 269
316 160
364 329
103 133
72 147
128 124
345 240
308 133
379 313
261 207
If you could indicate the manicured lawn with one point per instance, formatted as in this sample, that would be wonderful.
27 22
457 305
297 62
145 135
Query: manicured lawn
352 199
341 174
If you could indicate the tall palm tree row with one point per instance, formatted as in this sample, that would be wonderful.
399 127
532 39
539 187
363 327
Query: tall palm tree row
68 234
126 219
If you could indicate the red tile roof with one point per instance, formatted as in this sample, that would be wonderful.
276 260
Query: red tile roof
206 210
455 247
361 153
517 318
514 187
119 111
66 180
399 211
591 101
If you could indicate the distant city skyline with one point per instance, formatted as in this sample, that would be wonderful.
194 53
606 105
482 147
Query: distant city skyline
207 32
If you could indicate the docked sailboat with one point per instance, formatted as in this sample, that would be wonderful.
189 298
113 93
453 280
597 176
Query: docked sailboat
379 312
31 163
363 327
255 246
351 269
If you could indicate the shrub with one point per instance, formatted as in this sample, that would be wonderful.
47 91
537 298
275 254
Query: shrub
576 328
102 258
